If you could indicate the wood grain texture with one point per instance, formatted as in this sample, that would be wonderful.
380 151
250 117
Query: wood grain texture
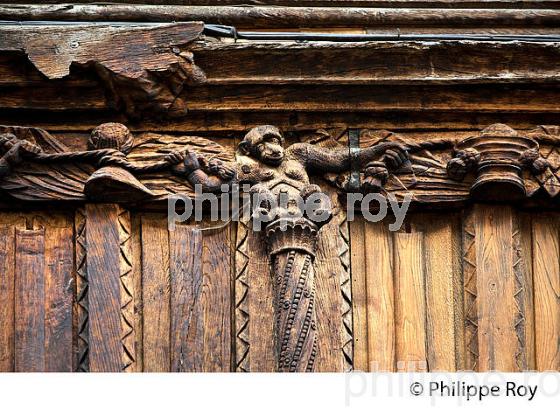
156 284
260 15
499 314
103 265
261 313
374 62
524 248
59 298
187 318
125 67
442 248
7 294
546 271
359 295
30 300
410 302
216 301
380 294
328 299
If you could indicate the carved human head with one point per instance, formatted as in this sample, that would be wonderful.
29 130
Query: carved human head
111 135
265 143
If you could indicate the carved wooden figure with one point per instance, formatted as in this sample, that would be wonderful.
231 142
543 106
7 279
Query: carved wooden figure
279 179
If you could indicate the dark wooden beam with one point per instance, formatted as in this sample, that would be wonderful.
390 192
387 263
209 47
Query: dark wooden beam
340 3
276 17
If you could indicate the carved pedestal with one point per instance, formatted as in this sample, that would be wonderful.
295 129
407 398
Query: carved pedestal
292 246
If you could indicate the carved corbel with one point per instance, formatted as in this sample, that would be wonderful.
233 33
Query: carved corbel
497 157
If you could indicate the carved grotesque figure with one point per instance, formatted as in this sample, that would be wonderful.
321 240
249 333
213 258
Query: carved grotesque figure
281 176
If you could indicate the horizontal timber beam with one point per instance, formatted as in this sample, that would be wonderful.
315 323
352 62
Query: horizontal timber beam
277 17
489 4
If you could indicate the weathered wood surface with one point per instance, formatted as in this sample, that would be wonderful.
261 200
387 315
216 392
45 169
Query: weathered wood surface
274 62
156 282
410 302
187 324
546 271
59 293
380 288
443 284
500 286
490 4
8 225
254 313
263 16
129 61
108 301
29 295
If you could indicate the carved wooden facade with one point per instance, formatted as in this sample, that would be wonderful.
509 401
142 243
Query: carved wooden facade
103 123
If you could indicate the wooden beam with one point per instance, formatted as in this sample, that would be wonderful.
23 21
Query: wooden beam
483 4
260 16
435 62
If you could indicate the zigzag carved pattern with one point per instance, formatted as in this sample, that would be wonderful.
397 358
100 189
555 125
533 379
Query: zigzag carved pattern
127 298
346 289
241 292
82 364
470 294
295 309
519 296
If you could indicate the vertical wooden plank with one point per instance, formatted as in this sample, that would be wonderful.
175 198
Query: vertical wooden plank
524 250
328 273
155 294
59 295
216 301
103 265
253 303
186 294
410 302
359 296
30 301
499 313
7 282
380 297
441 250
546 271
